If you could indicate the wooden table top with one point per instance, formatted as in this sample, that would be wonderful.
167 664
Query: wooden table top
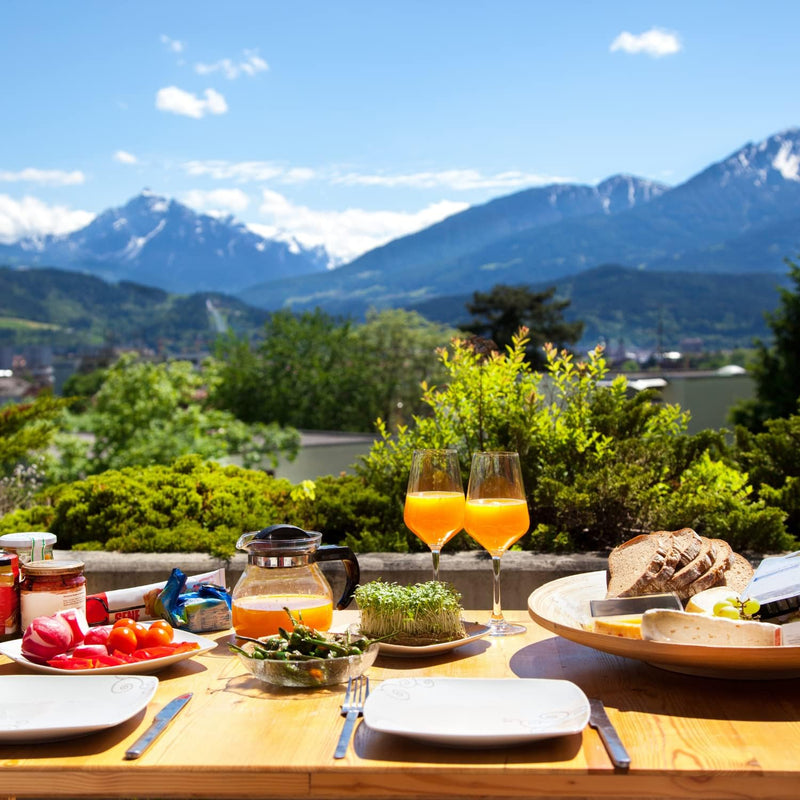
687 736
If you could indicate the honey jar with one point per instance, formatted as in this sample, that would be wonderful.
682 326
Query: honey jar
50 586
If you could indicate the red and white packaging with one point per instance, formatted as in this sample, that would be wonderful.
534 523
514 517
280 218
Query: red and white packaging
137 602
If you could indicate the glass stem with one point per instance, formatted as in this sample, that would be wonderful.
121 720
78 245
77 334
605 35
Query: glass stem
497 611
435 557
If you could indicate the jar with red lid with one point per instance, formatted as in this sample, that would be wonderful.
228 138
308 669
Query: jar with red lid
50 586
9 595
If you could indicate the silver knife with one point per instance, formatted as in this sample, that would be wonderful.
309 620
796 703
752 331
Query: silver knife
599 719
162 719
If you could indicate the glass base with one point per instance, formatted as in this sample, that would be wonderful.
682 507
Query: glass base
503 628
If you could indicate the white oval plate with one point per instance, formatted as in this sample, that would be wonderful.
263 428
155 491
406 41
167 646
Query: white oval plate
477 712
474 631
13 650
38 708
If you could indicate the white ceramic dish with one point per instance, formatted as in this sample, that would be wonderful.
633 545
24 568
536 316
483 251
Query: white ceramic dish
474 631
477 712
562 606
43 708
13 650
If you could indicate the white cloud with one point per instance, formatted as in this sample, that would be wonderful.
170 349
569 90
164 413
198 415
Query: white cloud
31 217
251 64
124 157
457 179
177 101
655 43
173 45
345 234
49 177
217 201
245 171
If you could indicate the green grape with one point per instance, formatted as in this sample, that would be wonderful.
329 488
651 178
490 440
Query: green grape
726 609
751 607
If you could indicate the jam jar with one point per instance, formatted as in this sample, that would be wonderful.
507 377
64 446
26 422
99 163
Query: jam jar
50 586
9 595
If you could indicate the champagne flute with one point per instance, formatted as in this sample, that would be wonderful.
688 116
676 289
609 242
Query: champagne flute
434 508
495 516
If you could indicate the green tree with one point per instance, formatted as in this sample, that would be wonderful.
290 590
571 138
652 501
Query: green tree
27 431
152 413
499 313
314 372
776 368
398 352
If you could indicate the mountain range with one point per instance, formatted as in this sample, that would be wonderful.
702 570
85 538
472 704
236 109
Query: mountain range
739 216
159 242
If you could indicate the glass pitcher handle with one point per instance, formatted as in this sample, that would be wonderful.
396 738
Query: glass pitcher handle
333 552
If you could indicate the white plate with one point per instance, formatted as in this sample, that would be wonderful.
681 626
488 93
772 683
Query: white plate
477 712
13 650
473 629
562 606
43 708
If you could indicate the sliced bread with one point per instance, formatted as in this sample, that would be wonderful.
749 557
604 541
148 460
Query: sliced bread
687 575
739 573
715 574
685 547
633 565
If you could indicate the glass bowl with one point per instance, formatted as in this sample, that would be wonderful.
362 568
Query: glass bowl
311 673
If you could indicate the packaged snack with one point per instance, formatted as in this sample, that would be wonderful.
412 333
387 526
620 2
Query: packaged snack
206 608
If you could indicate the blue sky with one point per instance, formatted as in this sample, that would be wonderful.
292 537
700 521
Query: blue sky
351 123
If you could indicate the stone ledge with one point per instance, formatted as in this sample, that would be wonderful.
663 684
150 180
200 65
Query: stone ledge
469 572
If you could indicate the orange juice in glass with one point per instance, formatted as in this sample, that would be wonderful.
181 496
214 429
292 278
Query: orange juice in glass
434 508
495 523
495 516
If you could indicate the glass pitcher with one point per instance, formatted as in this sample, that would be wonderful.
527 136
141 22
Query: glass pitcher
282 573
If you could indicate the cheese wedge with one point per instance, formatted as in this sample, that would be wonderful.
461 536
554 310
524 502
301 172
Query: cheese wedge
629 627
683 627
704 602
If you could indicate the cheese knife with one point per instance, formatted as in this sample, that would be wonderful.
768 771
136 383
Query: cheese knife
599 720
157 727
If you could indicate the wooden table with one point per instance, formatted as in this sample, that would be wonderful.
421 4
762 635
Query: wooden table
687 736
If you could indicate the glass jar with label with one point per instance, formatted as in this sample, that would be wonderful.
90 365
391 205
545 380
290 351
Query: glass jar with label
29 545
50 586
9 595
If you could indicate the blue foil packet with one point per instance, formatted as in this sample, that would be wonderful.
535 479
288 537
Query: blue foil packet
206 608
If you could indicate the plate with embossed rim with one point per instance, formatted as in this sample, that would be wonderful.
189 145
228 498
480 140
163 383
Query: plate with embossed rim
477 712
474 631
46 708
562 606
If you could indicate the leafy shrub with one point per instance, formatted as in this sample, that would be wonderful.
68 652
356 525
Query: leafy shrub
599 465
198 506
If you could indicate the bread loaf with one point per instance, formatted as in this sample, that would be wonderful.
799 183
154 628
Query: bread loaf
678 561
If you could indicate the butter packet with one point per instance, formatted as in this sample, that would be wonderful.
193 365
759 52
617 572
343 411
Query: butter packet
205 608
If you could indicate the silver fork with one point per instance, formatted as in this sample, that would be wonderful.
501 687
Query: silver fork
352 708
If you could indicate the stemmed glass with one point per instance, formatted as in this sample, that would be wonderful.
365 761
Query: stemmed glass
434 508
495 516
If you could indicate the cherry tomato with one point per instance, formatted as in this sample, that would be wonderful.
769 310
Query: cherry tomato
140 631
162 623
157 637
122 639
124 622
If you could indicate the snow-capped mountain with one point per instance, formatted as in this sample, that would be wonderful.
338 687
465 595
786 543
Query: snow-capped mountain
741 214
160 242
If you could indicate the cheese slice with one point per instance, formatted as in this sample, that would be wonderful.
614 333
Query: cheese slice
682 627
629 627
